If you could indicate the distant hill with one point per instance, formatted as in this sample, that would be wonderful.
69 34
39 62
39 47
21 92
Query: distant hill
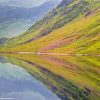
14 13
13 17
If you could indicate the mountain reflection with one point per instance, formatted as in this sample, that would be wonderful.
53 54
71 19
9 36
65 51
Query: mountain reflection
68 77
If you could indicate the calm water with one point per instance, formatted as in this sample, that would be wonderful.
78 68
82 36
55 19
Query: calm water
42 77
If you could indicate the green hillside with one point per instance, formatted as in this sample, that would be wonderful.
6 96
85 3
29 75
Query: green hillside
73 27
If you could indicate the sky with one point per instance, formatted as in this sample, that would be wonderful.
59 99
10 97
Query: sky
23 3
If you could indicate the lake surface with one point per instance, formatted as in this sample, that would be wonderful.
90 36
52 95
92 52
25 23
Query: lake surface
45 77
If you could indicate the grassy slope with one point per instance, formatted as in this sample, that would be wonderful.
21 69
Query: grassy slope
65 30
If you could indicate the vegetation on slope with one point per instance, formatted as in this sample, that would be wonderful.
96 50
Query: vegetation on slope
73 27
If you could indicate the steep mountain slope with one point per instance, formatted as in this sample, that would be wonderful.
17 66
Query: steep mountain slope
13 17
73 27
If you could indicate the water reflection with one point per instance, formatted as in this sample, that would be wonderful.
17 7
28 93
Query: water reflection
17 83
3 60
68 77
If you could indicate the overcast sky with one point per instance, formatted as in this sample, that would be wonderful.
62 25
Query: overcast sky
24 3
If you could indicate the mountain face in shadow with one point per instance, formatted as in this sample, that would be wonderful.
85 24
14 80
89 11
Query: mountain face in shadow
10 13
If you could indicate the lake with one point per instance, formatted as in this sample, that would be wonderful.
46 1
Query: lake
45 77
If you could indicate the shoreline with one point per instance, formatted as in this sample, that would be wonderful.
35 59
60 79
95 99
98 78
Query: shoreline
45 53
